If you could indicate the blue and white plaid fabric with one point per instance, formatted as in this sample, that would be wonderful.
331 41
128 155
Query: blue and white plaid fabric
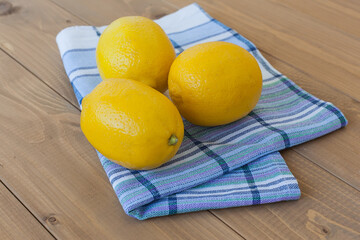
226 166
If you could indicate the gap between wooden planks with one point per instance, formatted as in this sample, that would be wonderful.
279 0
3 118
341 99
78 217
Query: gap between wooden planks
56 49
16 221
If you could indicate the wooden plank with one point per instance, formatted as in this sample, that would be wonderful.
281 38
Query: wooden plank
335 14
47 162
350 4
327 54
327 209
28 33
342 146
102 13
16 221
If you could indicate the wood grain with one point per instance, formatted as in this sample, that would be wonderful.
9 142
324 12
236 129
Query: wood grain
99 13
335 14
16 221
47 162
28 35
327 209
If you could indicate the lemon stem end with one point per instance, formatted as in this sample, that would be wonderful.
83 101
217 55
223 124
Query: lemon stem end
172 140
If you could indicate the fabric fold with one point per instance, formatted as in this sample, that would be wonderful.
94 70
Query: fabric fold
236 164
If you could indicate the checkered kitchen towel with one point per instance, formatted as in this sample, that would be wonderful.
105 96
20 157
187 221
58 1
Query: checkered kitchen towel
219 167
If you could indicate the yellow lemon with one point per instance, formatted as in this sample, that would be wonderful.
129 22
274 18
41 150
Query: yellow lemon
135 48
131 124
215 83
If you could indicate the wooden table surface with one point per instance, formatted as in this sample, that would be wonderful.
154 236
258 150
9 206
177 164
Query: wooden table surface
52 184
